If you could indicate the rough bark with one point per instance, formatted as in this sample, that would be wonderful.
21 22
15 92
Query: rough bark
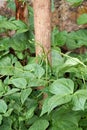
21 11
42 23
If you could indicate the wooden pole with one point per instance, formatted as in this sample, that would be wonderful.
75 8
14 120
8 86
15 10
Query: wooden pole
42 23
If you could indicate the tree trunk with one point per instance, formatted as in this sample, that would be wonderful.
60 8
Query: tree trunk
42 23
21 11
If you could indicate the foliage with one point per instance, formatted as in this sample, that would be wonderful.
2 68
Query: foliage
72 40
75 2
22 106
82 19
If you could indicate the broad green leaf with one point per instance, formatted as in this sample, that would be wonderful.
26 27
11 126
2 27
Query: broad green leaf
57 59
51 102
19 55
79 99
11 5
6 67
57 100
3 106
72 62
6 81
40 124
7 25
76 39
7 124
2 90
17 25
62 86
21 27
19 82
45 106
25 93
61 38
18 42
8 113
82 19
36 82
33 119
20 73
64 118
58 38
29 114
15 97
36 69
24 74
54 34
22 126
14 90
4 44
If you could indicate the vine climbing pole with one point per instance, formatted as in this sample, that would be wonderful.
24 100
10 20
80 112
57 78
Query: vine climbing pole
42 23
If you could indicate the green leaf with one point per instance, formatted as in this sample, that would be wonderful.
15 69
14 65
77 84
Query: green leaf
7 25
25 93
40 125
45 106
17 25
72 62
0 119
8 113
19 55
11 5
58 38
54 101
82 19
75 2
6 67
57 100
3 106
76 39
18 42
79 99
31 18
36 82
62 86
29 114
64 118
36 69
57 59
6 125
19 82
2 90
21 26
14 90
